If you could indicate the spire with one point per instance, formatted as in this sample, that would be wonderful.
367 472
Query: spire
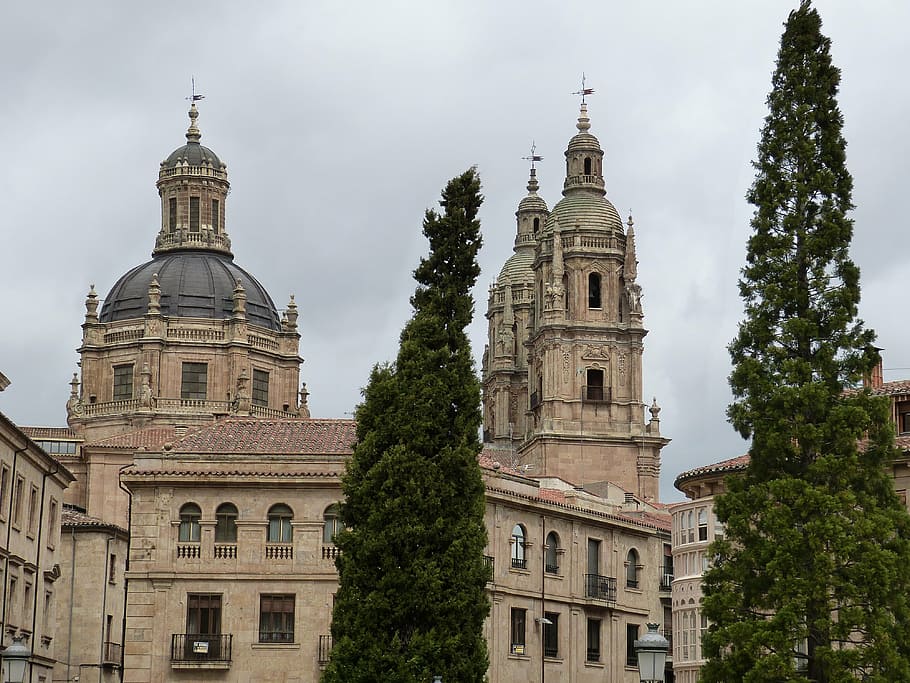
583 125
533 185
193 134
630 265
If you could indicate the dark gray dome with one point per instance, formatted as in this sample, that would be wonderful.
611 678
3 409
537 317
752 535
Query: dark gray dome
193 284
194 154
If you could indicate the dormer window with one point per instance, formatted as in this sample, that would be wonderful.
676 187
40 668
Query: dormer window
194 214
172 215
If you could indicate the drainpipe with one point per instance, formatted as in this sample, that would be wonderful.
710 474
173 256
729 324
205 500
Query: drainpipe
69 630
9 531
126 564
543 604
44 477
104 582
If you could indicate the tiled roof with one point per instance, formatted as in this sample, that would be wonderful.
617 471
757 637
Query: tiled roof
76 518
48 433
198 473
150 438
552 495
731 465
492 459
901 386
661 521
292 436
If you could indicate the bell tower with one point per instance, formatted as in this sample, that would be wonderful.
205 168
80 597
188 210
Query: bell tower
585 419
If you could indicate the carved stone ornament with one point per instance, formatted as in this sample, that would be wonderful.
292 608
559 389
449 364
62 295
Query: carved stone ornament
596 352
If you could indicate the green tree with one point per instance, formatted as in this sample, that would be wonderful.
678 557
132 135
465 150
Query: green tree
411 601
812 579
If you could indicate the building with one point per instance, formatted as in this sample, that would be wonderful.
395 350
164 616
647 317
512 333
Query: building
187 430
32 485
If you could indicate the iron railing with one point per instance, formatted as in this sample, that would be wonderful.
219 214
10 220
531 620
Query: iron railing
488 561
596 394
201 647
600 587
112 654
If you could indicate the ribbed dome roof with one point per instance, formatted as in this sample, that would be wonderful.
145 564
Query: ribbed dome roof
193 154
532 202
586 209
193 284
517 268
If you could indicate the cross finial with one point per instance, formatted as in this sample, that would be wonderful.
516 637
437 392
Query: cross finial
194 96
534 157
584 89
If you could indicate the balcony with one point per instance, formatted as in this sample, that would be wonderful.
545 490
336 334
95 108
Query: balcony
519 563
201 650
225 551
325 649
488 561
187 551
596 394
112 655
330 552
599 587
279 551
666 581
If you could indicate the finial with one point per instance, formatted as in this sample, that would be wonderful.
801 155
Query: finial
630 222
193 134
74 385
654 409
154 296
91 305
239 298
534 157
291 314
304 409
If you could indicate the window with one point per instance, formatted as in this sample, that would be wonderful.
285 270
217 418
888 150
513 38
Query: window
27 597
123 382
331 524
904 423
587 165
48 608
517 631
226 523
190 514
194 214
631 637
260 388
632 569
536 225
551 563
112 569
12 594
4 490
276 618
203 614
58 447
594 391
33 511
51 522
519 561
280 517
593 556
17 502
216 215
172 215
551 634
194 381
593 654
702 524
594 290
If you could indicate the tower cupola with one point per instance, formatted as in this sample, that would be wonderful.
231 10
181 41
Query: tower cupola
584 159
193 186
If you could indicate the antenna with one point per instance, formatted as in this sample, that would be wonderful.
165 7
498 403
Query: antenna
194 96
584 90
534 158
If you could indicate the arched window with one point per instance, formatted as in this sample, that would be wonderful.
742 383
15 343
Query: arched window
280 517
551 564
190 514
587 165
632 567
226 523
594 290
536 225
519 561
331 524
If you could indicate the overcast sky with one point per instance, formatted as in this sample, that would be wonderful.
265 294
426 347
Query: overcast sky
340 122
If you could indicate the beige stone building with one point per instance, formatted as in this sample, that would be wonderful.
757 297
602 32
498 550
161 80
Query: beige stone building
187 428
32 485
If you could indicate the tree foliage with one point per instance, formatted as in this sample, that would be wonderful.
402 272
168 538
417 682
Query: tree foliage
812 579
411 601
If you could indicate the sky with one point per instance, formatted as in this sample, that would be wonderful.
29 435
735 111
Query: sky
340 123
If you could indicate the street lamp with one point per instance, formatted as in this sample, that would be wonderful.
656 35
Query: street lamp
15 661
651 650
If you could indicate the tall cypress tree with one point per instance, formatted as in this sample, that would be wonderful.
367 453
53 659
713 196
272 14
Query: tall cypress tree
812 579
411 601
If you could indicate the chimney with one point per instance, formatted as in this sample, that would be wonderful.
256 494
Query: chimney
876 377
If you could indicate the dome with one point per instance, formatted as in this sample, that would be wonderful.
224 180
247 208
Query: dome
193 283
533 202
193 154
585 209
517 269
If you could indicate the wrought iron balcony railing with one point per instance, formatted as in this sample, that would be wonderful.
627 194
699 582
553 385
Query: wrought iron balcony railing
600 587
201 647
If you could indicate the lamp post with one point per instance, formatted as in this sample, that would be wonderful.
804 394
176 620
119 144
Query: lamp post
15 661
651 650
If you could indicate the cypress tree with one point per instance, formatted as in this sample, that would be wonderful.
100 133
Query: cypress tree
411 601
812 578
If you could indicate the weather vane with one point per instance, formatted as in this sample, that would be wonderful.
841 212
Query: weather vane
534 157
584 90
194 97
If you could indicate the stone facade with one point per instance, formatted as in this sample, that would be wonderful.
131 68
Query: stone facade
562 369
31 504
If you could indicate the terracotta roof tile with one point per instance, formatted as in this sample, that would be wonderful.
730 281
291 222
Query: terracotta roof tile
552 495
293 436
77 518
736 464
46 433
492 459
901 386
150 438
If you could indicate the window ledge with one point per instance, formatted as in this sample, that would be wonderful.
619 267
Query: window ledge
631 589
595 665
554 576
525 658
275 646
516 570
554 660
